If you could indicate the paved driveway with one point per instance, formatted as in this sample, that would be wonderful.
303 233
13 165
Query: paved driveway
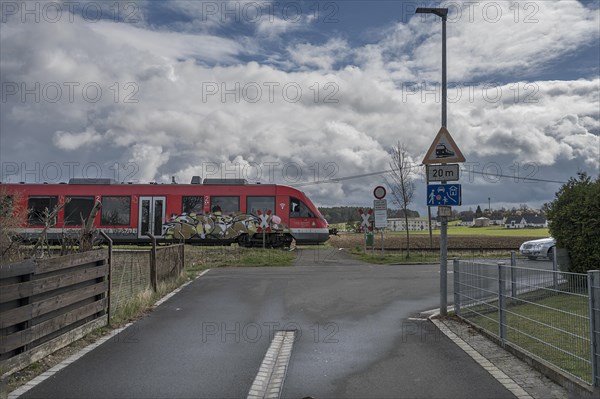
355 338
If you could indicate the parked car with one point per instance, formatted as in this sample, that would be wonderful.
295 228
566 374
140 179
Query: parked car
538 248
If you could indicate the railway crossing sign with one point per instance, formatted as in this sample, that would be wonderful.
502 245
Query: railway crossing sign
443 194
265 219
365 223
443 149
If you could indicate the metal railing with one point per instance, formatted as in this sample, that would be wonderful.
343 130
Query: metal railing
550 314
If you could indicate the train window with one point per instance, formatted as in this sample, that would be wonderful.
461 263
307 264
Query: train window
37 207
263 204
78 209
298 209
226 205
192 205
115 211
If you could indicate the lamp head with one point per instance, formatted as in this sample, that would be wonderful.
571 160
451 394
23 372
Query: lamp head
440 12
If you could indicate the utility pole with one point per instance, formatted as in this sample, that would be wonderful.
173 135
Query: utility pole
442 13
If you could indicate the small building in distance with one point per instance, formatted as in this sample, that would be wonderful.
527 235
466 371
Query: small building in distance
525 222
497 219
481 222
465 221
414 224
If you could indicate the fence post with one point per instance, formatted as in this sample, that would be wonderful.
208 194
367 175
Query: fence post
153 276
593 280
182 264
501 304
554 269
110 252
513 276
456 268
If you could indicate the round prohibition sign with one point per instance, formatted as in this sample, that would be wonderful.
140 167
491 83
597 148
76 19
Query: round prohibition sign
379 192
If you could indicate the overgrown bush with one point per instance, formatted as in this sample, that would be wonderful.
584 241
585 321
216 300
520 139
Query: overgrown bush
11 216
574 217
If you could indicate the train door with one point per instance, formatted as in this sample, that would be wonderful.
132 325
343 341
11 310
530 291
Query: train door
151 216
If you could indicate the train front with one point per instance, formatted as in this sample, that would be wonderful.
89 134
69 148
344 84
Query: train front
306 223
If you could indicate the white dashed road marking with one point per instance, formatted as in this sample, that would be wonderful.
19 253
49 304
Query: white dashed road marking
269 380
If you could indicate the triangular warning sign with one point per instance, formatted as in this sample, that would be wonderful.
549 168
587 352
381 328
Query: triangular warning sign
443 150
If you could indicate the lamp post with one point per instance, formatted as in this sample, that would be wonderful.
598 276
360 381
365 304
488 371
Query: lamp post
442 13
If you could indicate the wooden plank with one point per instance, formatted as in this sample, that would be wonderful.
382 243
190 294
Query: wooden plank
22 360
23 337
23 313
72 260
29 288
67 279
17 269
16 291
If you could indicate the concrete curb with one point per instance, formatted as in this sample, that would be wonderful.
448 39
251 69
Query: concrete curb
495 372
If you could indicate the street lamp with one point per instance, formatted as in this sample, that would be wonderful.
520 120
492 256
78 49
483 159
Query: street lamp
442 13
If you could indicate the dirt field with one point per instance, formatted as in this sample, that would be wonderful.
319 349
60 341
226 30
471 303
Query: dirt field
351 240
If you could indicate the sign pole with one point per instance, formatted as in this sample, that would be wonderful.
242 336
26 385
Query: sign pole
373 243
444 232
444 266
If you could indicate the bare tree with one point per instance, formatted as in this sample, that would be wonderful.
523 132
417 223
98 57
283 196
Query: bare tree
11 217
88 230
403 185
49 218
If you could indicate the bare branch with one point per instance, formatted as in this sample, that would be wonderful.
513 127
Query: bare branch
403 185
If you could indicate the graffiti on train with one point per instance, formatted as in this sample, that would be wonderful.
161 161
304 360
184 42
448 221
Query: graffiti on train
217 226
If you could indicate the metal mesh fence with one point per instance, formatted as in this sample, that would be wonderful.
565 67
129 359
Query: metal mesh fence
131 271
169 261
130 276
543 312
594 290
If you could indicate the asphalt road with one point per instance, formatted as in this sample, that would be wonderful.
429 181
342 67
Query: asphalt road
354 338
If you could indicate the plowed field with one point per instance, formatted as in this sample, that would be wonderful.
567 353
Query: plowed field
351 240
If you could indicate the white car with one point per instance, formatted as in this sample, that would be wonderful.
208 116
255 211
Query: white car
538 248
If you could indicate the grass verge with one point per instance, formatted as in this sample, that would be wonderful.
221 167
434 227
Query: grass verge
202 258
417 256
548 329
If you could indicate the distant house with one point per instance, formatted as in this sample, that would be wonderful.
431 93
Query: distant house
497 219
481 222
536 221
466 222
399 224
525 221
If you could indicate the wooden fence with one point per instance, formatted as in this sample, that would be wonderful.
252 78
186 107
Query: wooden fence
46 304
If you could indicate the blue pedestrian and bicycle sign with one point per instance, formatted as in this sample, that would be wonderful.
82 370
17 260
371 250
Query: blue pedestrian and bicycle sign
443 194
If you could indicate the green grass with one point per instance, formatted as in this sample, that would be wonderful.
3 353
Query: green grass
393 258
421 256
493 231
201 258
137 306
523 323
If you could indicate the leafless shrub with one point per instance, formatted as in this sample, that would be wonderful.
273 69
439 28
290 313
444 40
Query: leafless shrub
11 216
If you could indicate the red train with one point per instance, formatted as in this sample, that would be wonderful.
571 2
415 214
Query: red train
216 211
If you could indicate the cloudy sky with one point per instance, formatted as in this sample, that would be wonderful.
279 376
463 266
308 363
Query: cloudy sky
299 92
